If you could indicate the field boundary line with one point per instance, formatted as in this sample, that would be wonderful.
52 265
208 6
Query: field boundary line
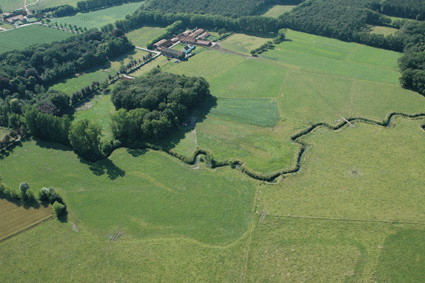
348 219
48 218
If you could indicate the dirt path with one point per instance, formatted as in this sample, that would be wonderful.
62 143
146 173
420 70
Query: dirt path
218 47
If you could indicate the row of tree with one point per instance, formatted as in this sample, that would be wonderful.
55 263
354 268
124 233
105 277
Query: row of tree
257 24
31 198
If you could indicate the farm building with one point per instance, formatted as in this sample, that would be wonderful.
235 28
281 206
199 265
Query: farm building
203 42
162 43
187 39
175 39
204 35
13 19
186 33
171 52
197 32
126 78
188 48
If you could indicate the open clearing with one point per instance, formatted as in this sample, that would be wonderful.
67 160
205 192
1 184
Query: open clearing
278 10
15 218
140 37
3 132
384 30
24 37
100 18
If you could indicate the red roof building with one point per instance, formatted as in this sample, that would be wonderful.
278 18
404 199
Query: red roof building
163 43
197 32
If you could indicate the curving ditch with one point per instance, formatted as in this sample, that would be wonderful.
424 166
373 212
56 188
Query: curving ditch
272 178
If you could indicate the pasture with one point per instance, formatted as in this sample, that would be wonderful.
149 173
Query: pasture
16 217
11 5
24 37
242 43
99 18
278 10
354 211
140 37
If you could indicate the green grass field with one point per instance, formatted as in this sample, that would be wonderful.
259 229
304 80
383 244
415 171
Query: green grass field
24 37
278 10
384 30
140 37
11 5
100 18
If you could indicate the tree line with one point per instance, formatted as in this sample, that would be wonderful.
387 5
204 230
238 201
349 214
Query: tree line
141 18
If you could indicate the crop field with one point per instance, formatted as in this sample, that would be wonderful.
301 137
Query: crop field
11 5
278 10
100 18
16 217
140 37
24 37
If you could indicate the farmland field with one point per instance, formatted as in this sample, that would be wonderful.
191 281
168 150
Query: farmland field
16 217
354 212
100 18
24 37
11 5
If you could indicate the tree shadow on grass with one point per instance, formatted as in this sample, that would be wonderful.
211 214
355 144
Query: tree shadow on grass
104 166
63 217
198 116
52 145
27 204
136 152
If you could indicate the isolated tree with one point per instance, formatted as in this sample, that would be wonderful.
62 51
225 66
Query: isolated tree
59 208
23 188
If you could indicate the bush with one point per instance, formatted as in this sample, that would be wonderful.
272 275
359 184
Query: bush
59 208
23 188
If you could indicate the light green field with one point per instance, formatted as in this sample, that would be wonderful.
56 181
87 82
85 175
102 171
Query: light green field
242 43
278 10
362 172
374 56
11 5
384 30
253 111
99 113
207 64
249 79
167 198
24 37
140 37
286 249
100 18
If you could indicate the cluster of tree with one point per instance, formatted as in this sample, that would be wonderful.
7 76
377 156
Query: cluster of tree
281 35
25 74
140 18
412 9
338 19
412 64
263 48
168 33
234 8
28 196
151 107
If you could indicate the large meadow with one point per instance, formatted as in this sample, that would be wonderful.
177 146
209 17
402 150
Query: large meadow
353 212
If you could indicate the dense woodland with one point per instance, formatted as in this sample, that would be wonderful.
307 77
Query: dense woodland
153 106
25 75
234 8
